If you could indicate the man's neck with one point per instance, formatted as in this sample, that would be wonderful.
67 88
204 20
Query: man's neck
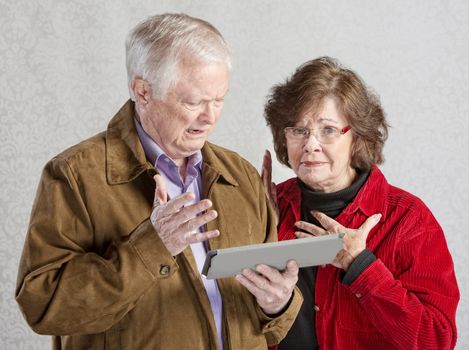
182 164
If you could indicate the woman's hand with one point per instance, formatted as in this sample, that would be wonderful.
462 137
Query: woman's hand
269 187
354 239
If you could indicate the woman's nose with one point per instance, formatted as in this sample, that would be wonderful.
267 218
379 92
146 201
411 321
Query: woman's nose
311 143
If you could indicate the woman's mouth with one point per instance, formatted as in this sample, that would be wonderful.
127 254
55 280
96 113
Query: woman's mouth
311 164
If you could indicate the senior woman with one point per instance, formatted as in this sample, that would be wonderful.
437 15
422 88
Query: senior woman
392 286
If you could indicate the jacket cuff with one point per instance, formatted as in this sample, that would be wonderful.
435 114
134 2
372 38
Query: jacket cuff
276 328
361 262
152 252
371 279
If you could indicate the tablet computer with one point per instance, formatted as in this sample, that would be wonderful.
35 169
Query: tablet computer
306 251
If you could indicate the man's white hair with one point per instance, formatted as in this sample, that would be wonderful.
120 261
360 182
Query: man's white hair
156 46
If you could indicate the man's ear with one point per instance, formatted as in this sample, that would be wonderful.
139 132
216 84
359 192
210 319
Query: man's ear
141 90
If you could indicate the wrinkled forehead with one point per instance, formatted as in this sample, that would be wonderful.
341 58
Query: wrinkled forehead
323 111
206 80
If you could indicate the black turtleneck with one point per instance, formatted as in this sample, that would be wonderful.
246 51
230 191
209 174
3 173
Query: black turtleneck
302 335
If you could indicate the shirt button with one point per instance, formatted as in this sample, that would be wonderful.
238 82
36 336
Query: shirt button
316 308
164 270
358 295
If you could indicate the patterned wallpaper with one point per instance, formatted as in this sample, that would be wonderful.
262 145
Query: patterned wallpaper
62 76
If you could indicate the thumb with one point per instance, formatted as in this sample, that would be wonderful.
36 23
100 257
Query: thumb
273 191
370 223
292 268
266 172
161 193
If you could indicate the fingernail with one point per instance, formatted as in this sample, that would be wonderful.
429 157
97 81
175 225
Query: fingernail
377 217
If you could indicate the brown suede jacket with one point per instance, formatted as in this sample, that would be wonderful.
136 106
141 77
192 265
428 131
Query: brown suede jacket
95 275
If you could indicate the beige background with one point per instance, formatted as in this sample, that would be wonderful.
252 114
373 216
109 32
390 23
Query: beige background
62 77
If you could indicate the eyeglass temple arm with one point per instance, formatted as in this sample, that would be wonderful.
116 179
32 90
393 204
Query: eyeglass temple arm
345 129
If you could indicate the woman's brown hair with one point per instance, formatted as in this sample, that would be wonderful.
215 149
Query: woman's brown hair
307 89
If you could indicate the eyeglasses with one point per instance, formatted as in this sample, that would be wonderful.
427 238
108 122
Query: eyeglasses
326 134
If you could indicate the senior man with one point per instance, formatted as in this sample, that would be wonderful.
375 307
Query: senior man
122 221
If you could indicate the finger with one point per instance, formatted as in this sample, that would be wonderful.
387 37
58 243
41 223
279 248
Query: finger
200 220
267 164
328 223
266 173
370 222
258 282
301 234
174 205
161 193
191 211
246 282
192 238
310 228
292 269
273 192
270 273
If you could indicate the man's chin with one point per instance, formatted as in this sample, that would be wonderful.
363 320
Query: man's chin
191 149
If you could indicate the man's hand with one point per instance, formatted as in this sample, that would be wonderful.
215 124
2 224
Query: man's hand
177 224
271 288
270 188
354 239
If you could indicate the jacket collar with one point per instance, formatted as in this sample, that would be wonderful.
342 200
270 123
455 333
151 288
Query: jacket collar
214 170
126 160
370 199
125 157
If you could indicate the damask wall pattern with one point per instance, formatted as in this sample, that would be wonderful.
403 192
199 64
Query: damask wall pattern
62 77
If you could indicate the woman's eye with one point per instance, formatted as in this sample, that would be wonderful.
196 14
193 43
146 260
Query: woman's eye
329 130
299 131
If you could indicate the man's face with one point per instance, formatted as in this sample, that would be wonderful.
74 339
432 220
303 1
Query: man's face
181 122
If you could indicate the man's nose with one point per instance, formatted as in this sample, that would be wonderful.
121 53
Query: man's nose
209 113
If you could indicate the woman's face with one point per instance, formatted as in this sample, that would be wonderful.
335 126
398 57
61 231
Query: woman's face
324 167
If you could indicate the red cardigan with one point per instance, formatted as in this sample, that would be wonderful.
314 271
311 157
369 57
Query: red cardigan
407 298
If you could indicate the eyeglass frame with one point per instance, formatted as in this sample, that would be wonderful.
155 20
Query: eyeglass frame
342 131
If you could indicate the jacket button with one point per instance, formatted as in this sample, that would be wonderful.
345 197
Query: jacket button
316 308
164 270
358 295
